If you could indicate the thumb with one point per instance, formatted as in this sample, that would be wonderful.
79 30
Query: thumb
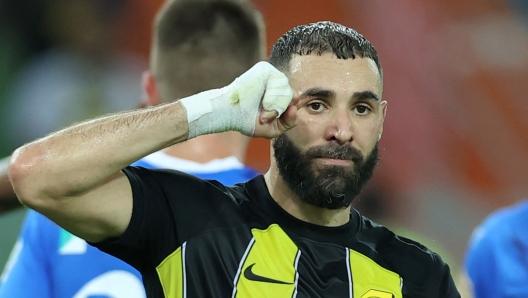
288 119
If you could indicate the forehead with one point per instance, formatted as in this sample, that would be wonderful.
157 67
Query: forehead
328 72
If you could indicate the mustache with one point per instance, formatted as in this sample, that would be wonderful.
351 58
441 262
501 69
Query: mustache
345 152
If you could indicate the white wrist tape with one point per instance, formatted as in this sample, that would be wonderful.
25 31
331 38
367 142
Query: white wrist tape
237 106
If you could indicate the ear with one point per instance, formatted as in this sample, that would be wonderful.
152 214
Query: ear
150 96
383 114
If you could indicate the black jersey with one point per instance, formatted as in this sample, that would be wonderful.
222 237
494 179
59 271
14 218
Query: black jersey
194 238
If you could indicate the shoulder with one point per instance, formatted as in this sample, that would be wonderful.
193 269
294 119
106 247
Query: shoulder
499 236
501 226
413 261
501 242
141 175
389 245
176 184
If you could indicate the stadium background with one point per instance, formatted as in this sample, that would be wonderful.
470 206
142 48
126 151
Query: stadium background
456 71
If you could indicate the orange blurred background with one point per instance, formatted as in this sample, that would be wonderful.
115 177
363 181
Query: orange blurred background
455 142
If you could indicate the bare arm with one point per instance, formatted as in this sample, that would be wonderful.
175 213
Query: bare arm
74 176
8 198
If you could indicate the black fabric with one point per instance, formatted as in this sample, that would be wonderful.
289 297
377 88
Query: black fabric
215 223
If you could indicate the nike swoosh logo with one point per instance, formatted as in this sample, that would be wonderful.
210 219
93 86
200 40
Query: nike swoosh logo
248 273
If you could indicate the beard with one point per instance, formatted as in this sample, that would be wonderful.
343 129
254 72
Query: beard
328 186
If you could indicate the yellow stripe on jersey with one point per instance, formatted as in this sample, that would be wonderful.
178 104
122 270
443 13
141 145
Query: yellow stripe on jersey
171 274
370 280
269 269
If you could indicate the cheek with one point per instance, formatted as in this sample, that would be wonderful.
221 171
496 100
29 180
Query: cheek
368 133
372 127
307 131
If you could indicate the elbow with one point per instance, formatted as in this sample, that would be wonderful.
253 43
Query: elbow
26 178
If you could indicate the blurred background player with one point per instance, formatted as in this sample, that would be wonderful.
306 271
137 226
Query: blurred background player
496 264
227 37
458 75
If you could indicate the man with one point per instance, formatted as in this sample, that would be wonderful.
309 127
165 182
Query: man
496 262
288 233
183 62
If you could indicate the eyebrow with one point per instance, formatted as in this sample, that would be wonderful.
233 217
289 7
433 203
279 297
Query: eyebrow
329 94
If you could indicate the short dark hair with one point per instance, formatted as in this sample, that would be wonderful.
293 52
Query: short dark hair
204 44
319 38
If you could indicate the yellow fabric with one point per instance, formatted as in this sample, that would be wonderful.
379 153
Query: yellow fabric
273 255
370 280
171 274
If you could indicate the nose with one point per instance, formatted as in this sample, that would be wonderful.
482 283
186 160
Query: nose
340 128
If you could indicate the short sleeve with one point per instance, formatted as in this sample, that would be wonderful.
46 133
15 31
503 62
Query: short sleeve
443 283
169 207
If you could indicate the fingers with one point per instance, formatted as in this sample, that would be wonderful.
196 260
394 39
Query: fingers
269 116
278 94
296 98
266 117
288 120
271 127
278 111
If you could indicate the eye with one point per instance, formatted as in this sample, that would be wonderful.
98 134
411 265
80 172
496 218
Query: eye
316 106
362 110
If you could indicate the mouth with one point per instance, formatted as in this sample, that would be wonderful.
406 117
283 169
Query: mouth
335 161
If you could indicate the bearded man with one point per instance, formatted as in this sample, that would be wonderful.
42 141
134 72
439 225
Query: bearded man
288 233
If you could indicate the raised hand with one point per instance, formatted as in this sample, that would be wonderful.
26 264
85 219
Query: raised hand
270 125
249 105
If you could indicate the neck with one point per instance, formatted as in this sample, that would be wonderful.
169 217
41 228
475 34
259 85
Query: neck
209 147
283 195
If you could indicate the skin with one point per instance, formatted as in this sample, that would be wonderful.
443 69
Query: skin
90 196
204 148
336 116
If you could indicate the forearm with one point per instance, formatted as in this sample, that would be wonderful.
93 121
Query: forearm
75 160
78 159
74 176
